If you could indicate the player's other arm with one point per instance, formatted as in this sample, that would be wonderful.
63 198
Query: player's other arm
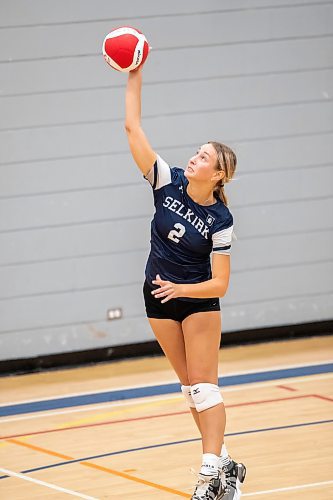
215 287
142 152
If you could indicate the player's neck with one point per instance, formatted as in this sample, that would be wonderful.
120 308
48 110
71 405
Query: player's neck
200 195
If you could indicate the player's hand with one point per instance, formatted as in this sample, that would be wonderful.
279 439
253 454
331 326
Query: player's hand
167 289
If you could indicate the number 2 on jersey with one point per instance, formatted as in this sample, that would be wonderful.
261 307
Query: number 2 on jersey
177 233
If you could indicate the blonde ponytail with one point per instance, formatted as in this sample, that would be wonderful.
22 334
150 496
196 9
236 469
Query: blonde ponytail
226 161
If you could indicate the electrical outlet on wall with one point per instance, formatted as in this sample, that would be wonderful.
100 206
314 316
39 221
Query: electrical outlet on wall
116 313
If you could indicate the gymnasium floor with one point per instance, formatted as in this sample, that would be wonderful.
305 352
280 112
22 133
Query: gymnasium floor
122 430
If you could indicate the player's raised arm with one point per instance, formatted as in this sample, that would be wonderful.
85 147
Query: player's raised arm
142 152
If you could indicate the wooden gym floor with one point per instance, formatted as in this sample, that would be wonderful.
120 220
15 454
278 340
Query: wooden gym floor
122 429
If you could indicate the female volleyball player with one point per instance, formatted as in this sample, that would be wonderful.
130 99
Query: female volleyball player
182 287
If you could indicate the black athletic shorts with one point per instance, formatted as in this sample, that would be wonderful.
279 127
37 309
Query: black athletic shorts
175 309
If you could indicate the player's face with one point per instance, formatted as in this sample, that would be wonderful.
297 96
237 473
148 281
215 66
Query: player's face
202 166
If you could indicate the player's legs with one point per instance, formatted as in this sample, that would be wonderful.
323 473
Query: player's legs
202 333
172 337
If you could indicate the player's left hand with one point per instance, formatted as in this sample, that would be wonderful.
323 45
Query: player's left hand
167 289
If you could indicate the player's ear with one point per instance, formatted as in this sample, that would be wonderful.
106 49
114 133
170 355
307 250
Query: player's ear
218 176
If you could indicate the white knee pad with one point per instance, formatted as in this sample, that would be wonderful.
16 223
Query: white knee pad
206 396
186 390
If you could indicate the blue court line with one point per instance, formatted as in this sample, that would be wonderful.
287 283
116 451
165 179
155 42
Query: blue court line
157 390
172 443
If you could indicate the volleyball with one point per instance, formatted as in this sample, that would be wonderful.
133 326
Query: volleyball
125 48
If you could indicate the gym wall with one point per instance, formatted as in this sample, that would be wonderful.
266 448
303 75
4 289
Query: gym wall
74 210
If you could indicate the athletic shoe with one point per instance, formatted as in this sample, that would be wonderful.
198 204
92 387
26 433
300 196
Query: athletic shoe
232 476
208 488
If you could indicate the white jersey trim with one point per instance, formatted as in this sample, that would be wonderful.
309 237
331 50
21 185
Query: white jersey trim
160 174
222 241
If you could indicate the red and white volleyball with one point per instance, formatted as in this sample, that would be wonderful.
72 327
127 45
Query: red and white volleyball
125 48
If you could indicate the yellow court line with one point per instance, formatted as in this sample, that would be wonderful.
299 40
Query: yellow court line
101 468
133 409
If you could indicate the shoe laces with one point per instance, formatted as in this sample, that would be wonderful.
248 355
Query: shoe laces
203 487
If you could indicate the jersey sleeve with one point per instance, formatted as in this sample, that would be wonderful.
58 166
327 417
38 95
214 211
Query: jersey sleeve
222 237
160 174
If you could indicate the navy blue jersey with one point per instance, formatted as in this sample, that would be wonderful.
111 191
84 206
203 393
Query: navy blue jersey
184 233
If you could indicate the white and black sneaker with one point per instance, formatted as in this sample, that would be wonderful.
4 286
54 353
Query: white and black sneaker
208 488
232 476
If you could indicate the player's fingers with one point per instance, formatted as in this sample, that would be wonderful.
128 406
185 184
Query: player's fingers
169 297
162 293
162 288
